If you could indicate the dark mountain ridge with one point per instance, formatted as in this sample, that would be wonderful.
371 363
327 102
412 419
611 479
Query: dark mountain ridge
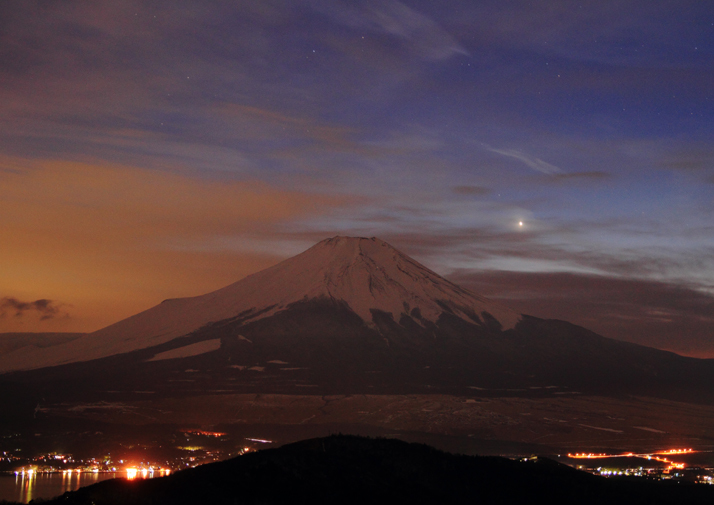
348 469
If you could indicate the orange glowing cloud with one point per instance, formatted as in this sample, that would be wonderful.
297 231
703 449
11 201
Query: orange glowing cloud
108 241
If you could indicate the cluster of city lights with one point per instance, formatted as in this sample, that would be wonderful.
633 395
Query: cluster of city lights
215 434
133 473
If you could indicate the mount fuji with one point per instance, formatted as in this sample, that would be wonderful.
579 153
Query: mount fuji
358 274
349 315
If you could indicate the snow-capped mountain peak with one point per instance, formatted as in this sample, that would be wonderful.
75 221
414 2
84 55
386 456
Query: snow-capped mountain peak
362 273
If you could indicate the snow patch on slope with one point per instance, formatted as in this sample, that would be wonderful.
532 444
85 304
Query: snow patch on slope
189 350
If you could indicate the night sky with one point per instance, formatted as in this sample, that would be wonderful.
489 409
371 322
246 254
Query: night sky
156 149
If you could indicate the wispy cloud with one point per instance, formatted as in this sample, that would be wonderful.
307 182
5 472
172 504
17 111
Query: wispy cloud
531 161
594 175
419 32
424 33
472 190
47 309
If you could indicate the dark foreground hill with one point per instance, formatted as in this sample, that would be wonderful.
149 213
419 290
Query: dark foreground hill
347 469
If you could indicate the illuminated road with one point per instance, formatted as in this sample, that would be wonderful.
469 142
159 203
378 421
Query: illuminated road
656 456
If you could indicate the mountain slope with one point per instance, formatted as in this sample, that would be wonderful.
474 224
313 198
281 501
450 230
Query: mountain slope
10 342
362 274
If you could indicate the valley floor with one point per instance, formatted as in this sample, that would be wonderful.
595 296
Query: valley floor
482 425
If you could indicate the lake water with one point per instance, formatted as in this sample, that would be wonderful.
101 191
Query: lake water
23 488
